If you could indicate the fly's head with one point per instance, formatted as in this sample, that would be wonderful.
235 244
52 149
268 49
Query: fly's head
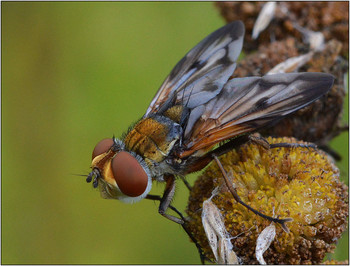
118 173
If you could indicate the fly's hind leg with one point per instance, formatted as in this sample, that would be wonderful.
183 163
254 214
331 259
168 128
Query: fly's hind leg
256 138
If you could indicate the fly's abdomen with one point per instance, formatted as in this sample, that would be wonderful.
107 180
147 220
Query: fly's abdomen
153 137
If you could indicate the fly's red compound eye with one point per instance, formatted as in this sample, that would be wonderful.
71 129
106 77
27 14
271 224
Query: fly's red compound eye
101 147
131 178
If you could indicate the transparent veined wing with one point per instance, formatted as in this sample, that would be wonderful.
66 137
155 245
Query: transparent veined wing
201 74
248 104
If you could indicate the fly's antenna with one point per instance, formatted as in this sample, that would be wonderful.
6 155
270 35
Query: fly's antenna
80 175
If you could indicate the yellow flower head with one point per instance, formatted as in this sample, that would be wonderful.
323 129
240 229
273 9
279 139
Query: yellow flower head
299 183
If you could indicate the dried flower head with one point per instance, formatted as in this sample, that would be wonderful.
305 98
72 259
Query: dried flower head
287 182
299 37
330 18
335 262
322 120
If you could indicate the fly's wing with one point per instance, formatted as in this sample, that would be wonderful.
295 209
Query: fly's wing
203 72
247 104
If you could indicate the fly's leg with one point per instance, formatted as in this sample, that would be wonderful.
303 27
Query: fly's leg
282 222
256 138
165 204
235 143
175 219
207 158
186 183
167 197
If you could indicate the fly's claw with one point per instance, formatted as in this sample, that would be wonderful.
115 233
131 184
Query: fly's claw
283 222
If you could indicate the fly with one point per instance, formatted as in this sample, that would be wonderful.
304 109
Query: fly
197 107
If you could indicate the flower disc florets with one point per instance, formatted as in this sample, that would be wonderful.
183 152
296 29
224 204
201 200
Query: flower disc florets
299 183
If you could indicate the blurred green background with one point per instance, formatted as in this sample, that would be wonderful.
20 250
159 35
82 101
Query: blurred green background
72 74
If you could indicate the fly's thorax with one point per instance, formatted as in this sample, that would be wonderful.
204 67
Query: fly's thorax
174 113
119 174
153 138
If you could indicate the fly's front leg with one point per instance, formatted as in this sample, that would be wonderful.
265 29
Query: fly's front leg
159 198
167 197
258 139
183 224
165 200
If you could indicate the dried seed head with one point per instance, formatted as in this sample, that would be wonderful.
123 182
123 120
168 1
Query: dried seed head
305 37
298 183
320 121
330 18
335 262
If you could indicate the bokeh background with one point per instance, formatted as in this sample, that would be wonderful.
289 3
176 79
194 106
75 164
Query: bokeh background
72 74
